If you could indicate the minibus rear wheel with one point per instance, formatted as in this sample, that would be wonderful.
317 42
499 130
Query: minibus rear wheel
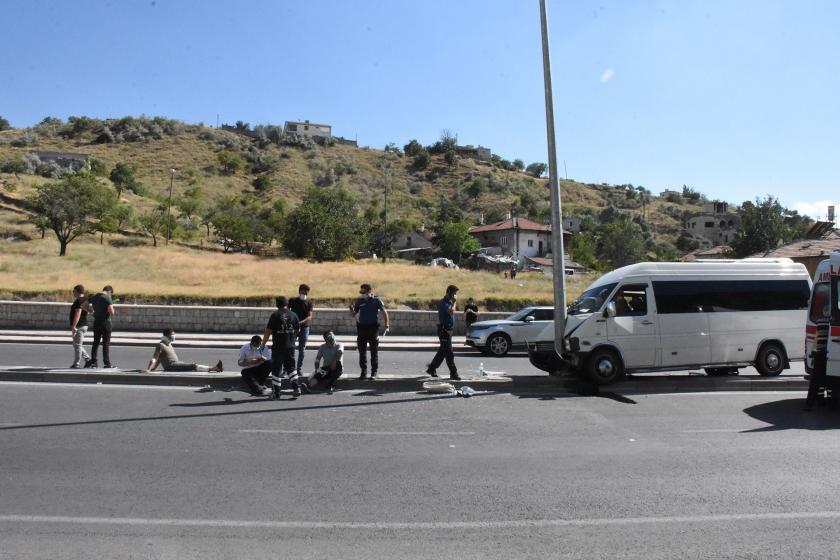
771 360
604 366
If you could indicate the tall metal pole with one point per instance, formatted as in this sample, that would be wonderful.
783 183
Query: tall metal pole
558 265
385 233
169 207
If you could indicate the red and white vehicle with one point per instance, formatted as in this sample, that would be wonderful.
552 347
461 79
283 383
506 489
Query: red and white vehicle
822 328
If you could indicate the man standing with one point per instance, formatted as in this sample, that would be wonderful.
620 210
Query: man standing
256 361
302 307
329 363
102 305
446 326
165 356
283 326
79 326
366 310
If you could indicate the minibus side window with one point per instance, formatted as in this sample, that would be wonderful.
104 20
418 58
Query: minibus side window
835 308
820 303
631 300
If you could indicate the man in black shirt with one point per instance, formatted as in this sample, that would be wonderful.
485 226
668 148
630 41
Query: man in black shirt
79 326
283 327
102 305
302 307
470 313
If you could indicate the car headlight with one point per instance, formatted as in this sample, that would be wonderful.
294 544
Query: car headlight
475 328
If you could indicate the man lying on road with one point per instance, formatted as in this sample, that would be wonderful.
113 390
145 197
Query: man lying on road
165 355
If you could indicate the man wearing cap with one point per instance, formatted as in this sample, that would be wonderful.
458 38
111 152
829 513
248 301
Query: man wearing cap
446 326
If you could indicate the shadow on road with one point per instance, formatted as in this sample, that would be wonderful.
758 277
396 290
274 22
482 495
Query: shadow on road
787 414
227 402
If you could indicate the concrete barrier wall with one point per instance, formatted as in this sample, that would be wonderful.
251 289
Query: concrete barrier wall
209 319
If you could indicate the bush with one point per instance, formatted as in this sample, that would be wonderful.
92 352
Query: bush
4 124
231 162
261 183
413 148
421 160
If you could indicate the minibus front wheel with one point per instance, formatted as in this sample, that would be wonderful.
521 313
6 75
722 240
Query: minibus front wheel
604 366
770 360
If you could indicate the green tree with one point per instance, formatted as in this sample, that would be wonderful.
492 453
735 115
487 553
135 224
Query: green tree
261 183
413 148
762 227
421 160
324 225
234 230
97 167
620 243
518 165
582 250
4 124
536 169
454 240
123 215
67 206
16 166
153 222
122 175
231 162
450 158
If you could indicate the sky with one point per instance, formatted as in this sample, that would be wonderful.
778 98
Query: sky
737 99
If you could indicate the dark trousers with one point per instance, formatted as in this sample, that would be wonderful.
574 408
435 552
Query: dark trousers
255 376
444 352
368 334
328 381
283 362
818 378
101 332
180 366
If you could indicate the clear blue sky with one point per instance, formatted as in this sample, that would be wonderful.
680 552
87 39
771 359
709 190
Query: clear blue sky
735 98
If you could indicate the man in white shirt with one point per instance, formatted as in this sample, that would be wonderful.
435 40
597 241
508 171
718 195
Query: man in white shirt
256 361
329 364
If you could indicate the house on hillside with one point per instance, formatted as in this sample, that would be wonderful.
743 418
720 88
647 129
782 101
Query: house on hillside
64 160
822 240
479 153
716 252
716 223
516 237
546 265
306 128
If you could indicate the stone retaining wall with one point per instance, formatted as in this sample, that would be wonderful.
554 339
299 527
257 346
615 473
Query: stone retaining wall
209 319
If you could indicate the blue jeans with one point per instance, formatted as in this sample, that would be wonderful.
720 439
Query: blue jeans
303 336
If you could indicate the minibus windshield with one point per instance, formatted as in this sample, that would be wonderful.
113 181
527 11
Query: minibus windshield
591 300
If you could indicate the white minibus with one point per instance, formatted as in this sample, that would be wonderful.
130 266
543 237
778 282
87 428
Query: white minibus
658 316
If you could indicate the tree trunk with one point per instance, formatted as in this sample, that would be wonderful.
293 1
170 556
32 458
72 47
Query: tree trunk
101 237
63 250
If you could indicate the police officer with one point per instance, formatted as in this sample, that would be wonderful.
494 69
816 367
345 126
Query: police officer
446 326
283 327
367 310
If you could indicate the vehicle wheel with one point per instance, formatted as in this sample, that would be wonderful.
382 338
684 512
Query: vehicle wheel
498 344
771 360
720 371
604 367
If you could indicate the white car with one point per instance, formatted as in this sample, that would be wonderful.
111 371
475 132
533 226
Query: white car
499 337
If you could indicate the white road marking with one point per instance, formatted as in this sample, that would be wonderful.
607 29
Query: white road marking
430 525
97 385
362 433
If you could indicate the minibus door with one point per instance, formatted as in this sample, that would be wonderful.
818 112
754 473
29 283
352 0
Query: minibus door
833 363
631 325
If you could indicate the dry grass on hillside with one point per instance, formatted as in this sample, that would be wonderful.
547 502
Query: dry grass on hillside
176 272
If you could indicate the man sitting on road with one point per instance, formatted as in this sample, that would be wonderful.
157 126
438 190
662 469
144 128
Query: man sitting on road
256 361
165 355
328 372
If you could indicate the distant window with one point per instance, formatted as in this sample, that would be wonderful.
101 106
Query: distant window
530 243
631 300
720 296
408 240
292 128
731 223
504 241
710 224
726 237
543 314
723 223
821 303
305 128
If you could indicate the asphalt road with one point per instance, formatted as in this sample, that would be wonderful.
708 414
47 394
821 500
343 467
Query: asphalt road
392 362
140 472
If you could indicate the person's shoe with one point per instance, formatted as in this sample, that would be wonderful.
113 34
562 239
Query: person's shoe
266 392
219 366
430 372
305 387
363 376
75 366
454 377
110 366
330 391
372 375
91 363
296 392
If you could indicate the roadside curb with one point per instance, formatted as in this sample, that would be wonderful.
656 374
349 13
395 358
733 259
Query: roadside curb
513 384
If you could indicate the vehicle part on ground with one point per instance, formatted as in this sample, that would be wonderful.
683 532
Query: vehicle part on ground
604 366
720 371
771 359
498 344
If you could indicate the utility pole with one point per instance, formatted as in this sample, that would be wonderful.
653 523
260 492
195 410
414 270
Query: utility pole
169 207
558 265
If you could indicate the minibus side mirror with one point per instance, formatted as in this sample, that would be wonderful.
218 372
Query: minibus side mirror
609 310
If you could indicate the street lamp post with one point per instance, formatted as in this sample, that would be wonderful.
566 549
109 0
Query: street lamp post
558 265
169 207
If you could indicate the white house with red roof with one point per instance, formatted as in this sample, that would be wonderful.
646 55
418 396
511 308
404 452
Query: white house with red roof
516 237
